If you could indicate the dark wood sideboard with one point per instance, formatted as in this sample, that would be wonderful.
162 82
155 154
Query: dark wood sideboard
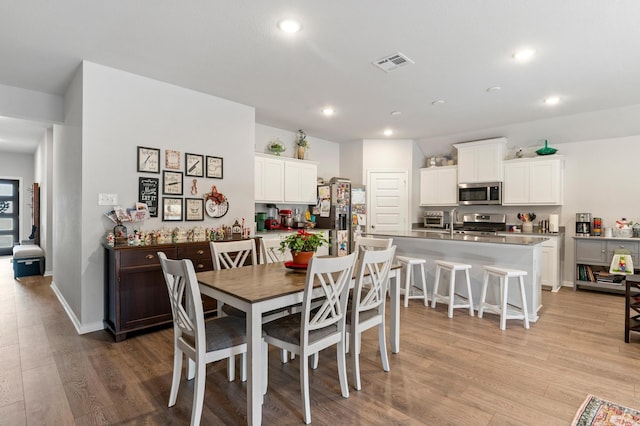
135 292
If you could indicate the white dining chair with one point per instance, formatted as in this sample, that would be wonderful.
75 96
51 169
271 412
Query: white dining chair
372 243
310 331
233 254
367 306
270 251
202 342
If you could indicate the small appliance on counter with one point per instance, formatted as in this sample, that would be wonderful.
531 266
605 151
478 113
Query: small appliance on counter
583 224
271 224
437 219
286 219
554 223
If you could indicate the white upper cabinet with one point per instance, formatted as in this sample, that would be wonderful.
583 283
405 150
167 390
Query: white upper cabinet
439 186
285 180
533 181
481 161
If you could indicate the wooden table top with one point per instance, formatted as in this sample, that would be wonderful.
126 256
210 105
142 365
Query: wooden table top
256 283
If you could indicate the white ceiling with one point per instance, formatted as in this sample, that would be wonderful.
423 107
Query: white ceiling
587 53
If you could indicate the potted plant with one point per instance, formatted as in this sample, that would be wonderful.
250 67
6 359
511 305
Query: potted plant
303 245
302 143
276 146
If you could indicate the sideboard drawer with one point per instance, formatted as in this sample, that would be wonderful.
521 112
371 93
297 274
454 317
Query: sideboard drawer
144 257
195 252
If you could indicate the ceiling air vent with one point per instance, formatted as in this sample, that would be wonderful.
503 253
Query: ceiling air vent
392 62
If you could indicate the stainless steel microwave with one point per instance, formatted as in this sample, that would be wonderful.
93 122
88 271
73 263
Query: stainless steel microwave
484 193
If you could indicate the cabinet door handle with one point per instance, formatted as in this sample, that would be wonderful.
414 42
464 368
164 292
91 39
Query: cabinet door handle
200 266
150 256
200 251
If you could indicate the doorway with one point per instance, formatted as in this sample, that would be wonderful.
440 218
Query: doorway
9 215
388 200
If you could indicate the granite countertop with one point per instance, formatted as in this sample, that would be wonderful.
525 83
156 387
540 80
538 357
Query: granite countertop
521 240
581 237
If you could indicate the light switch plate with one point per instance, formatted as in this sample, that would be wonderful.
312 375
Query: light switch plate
107 199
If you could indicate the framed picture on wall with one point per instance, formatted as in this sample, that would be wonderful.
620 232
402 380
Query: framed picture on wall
193 209
148 160
171 183
214 167
193 165
172 159
148 193
171 209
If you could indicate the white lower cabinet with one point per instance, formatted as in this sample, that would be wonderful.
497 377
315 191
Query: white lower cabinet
439 186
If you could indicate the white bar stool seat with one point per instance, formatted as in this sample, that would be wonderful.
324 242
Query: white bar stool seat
452 299
503 309
409 279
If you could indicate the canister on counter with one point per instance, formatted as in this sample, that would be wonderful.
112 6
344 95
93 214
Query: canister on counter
597 226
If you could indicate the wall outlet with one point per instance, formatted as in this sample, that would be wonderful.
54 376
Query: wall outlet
107 199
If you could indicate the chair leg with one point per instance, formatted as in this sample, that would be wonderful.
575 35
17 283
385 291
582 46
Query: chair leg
436 284
382 341
355 360
470 295
314 360
407 284
304 386
243 367
177 372
231 368
504 286
342 368
284 356
483 295
198 393
191 369
452 292
265 367
424 285
524 303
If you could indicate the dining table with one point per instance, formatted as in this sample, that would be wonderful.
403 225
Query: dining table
262 288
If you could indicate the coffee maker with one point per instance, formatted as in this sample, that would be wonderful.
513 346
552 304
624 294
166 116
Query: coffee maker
583 224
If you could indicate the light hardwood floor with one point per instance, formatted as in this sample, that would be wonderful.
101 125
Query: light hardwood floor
460 371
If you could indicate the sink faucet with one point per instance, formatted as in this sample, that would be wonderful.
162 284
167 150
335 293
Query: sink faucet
452 220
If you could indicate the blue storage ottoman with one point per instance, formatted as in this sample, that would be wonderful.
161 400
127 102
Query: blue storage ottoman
28 259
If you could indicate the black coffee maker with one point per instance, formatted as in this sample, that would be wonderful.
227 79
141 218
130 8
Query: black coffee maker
583 224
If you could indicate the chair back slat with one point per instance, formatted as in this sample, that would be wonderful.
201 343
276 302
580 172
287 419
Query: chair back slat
233 254
372 278
371 243
270 251
334 275
185 299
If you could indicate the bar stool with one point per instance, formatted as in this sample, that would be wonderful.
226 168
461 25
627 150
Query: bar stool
409 278
451 299
503 274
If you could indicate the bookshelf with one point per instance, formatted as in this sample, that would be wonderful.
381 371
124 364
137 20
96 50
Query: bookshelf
592 259
632 306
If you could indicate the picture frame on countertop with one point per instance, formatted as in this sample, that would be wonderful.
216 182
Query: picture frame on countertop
193 165
193 209
172 159
171 209
148 160
171 183
215 167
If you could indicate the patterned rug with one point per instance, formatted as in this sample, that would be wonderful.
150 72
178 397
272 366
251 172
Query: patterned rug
599 412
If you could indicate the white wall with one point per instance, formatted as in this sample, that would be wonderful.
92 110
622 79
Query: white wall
20 167
351 157
43 163
325 152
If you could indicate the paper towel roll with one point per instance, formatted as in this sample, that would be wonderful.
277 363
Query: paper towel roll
554 223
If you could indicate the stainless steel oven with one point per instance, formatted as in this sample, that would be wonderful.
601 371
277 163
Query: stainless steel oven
436 219
486 193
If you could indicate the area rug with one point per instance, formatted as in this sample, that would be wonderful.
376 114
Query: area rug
600 412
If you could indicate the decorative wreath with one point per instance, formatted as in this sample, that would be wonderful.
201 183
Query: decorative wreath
215 196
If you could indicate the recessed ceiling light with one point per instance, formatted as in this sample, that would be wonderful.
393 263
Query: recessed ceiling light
328 111
388 132
396 112
494 89
437 102
289 26
553 100
524 55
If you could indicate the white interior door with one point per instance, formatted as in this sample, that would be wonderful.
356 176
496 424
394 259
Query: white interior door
388 201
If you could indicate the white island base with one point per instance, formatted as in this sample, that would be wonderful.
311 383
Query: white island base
513 252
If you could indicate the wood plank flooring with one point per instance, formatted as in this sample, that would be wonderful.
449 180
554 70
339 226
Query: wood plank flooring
460 371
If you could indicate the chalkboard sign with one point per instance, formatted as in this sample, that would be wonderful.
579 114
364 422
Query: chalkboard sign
148 194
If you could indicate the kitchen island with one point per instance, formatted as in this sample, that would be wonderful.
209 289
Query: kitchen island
511 251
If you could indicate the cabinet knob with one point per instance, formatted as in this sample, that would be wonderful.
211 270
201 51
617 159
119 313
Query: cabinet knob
150 256
200 251
200 266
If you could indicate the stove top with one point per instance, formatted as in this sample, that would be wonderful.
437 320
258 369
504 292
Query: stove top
482 223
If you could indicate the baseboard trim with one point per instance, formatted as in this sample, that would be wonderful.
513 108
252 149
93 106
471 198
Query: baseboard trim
80 328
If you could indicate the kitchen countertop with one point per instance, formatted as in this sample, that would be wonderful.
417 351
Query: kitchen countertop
521 240
580 237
